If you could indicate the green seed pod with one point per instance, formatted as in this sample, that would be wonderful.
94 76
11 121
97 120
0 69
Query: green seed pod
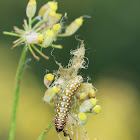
82 96
48 78
56 29
73 27
87 105
31 9
50 93
96 109
92 93
82 118
52 18
85 87
49 37
52 5
46 15
58 16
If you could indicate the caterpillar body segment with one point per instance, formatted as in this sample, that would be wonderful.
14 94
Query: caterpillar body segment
64 100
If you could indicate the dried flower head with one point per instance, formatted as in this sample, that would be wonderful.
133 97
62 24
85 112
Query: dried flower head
44 29
75 97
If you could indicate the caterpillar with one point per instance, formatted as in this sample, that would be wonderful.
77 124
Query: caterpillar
63 104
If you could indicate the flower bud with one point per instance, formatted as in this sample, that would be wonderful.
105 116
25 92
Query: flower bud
56 28
58 17
49 16
86 87
96 109
31 8
50 5
46 15
91 93
73 27
53 5
40 38
48 78
82 118
52 13
82 96
43 9
79 21
87 105
50 93
48 39
55 89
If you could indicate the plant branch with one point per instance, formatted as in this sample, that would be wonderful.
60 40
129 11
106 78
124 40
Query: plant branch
44 133
16 91
12 34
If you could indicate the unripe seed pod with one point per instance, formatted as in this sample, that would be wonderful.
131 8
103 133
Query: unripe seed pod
73 27
52 13
52 5
58 17
31 8
85 87
50 93
91 93
55 89
82 96
82 118
48 78
49 37
56 28
46 15
40 38
43 9
87 105
96 109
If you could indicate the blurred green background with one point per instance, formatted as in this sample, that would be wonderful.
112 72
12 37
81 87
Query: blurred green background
112 39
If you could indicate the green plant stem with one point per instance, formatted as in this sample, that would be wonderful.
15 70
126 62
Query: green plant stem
30 23
34 19
16 91
43 55
38 24
12 34
44 133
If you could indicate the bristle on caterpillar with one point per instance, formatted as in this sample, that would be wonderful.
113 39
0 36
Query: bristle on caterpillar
64 100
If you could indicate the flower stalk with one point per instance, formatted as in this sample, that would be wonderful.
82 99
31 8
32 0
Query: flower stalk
16 91
44 133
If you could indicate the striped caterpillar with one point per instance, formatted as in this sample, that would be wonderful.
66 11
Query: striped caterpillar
64 100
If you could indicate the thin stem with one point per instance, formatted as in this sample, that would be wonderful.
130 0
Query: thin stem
38 24
19 31
56 46
12 34
16 92
44 133
26 27
14 42
30 23
19 42
34 19
32 52
45 29
43 55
